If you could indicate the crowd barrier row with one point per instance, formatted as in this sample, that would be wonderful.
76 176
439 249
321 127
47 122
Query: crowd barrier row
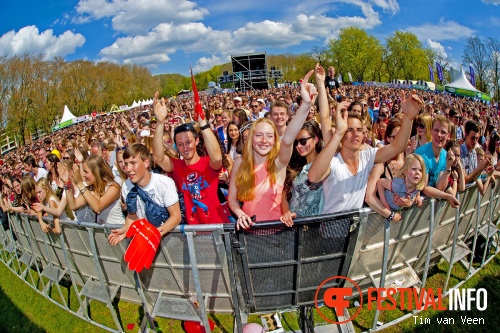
215 269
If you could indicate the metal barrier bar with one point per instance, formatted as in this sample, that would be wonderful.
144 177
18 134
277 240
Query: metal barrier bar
453 246
363 249
387 230
474 242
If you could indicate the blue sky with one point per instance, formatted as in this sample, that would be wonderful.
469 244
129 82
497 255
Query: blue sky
168 36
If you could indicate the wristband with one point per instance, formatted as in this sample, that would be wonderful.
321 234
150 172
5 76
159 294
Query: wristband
391 217
449 170
204 127
82 190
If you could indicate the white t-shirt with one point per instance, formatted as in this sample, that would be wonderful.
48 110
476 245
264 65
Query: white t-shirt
42 173
161 189
343 191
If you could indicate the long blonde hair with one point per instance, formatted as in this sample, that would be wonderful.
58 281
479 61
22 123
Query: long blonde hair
44 183
404 169
426 119
245 179
102 174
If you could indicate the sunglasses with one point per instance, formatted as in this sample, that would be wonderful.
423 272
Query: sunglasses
302 141
420 125
65 158
187 127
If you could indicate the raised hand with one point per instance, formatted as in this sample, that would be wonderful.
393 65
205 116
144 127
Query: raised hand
63 172
319 73
307 90
341 117
411 105
160 109
78 156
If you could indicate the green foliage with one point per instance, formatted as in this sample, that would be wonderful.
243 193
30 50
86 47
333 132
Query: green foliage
354 51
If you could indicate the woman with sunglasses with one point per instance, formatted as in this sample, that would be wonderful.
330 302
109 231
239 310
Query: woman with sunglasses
305 198
258 177
423 124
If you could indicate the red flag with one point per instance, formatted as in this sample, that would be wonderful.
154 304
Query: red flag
198 111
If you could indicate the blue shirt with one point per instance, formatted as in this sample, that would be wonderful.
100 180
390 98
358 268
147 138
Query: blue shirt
432 167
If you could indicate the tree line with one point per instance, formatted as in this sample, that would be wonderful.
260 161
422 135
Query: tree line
33 91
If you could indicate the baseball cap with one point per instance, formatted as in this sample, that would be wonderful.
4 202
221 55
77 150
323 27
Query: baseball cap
238 99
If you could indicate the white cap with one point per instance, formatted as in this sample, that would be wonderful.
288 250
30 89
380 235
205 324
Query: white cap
260 100
238 99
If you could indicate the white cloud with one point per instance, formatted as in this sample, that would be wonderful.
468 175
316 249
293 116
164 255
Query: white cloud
444 30
30 40
437 47
205 63
139 16
493 2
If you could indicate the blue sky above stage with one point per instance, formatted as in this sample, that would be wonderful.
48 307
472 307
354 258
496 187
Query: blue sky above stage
168 36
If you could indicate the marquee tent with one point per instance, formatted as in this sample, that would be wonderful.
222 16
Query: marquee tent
462 87
66 120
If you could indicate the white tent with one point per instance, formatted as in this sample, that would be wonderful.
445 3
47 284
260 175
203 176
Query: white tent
67 115
461 82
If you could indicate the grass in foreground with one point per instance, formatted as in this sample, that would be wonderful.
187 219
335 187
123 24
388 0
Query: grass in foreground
23 310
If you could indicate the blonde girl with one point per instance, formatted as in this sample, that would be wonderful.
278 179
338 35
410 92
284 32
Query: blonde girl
423 123
408 182
258 177
47 197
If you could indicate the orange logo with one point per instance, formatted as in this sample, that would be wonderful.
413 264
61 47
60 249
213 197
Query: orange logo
334 299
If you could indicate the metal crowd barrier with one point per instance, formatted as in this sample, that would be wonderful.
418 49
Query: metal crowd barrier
214 269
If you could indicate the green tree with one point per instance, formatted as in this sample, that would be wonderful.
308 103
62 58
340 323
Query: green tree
406 58
354 51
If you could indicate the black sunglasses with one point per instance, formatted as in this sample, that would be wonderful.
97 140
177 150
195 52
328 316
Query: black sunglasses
302 141
420 125
65 158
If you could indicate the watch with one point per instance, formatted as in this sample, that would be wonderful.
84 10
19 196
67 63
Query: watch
204 127
391 217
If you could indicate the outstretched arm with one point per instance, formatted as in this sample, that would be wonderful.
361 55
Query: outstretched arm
411 108
320 168
162 160
324 107
293 128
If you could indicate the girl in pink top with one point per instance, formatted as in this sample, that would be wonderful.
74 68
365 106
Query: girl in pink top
257 178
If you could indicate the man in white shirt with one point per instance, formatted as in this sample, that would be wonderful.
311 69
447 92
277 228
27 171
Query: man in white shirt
31 167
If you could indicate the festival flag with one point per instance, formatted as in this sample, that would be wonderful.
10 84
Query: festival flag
198 110
431 73
440 72
472 78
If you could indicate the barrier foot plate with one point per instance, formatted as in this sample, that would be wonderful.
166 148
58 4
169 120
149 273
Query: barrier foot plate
175 308
93 290
461 250
53 273
26 259
484 230
402 278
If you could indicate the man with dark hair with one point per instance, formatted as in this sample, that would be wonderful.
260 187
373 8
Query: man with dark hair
197 177
345 174
148 195
468 154
31 167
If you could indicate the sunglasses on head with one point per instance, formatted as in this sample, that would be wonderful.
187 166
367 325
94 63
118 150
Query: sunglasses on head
302 141
184 128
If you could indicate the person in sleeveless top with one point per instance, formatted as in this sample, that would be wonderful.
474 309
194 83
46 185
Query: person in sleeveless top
98 190
257 178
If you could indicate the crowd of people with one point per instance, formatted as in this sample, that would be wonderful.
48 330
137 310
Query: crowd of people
254 156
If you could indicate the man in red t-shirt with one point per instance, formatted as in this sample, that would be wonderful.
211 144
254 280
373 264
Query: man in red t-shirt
195 176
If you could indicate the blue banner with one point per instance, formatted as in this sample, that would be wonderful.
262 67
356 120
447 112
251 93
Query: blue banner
431 73
472 79
440 72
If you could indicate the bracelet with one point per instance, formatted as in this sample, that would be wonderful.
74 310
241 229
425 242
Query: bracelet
449 170
68 187
439 194
391 217
82 190
204 127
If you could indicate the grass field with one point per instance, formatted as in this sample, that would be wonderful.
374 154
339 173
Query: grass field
24 310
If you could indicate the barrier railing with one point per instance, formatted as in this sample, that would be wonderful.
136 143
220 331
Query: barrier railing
212 268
